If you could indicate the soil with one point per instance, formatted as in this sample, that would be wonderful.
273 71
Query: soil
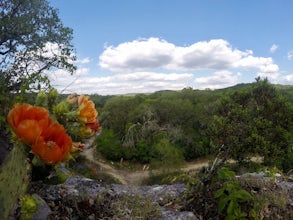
129 177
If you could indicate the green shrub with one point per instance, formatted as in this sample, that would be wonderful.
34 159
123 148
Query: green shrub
143 153
166 155
109 145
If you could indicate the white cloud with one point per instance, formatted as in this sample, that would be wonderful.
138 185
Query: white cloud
136 82
149 65
83 61
153 53
273 48
137 55
218 80
288 79
215 54
261 63
153 76
290 55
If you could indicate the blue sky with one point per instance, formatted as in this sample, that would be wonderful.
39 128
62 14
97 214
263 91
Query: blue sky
134 46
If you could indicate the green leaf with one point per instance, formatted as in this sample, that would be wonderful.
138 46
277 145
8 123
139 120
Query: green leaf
219 193
232 206
222 203
243 195
230 217
238 214
224 173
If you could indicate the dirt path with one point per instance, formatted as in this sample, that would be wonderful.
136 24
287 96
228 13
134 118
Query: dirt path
134 177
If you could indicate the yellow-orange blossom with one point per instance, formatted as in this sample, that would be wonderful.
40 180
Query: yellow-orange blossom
86 110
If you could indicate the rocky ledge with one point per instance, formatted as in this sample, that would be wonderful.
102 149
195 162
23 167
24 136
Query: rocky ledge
82 198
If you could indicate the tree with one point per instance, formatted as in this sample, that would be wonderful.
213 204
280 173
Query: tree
254 120
32 40
231 126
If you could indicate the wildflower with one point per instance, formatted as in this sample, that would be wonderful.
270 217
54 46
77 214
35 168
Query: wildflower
53 145
28 122
86 110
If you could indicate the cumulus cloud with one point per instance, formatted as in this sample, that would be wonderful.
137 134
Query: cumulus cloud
215 54
218 80
137 55
149 65
152 53
273 48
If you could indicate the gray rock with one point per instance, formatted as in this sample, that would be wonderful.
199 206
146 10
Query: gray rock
168 214
79 187
43 209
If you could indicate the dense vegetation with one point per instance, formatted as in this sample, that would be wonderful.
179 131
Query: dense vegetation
247 120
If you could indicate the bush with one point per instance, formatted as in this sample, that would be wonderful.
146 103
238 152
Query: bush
109 145
287 163
143 152
167 155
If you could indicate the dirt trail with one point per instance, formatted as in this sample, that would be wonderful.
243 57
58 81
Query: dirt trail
134 177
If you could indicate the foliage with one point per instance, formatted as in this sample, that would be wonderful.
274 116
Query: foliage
139 122
254 121
166 155
219 194
143 153
32 40
250 119
231 196
108 144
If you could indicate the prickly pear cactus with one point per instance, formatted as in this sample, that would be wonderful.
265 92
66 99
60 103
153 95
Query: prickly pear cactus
13 179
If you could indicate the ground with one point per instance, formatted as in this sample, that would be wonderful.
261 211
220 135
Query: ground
130 177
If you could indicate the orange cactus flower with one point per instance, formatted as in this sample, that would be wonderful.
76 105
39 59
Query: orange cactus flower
87 112
53 145
82 99
28 121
